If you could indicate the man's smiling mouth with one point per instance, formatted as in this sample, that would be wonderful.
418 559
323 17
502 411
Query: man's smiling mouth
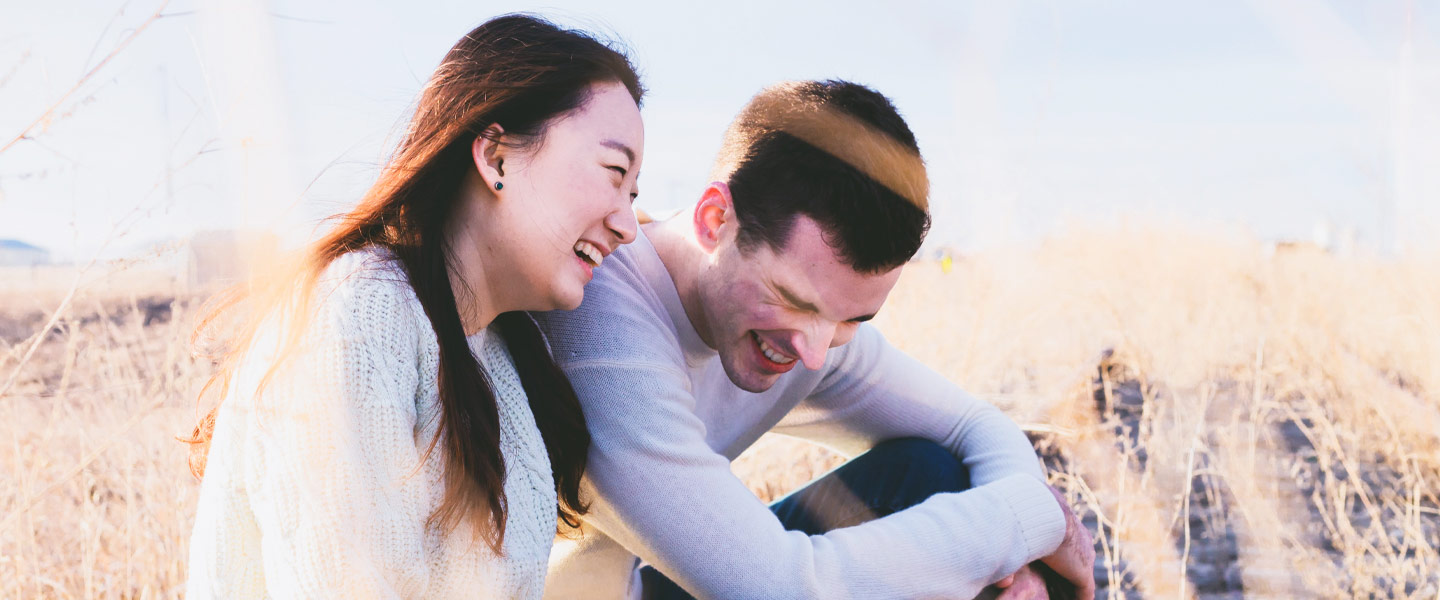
774 355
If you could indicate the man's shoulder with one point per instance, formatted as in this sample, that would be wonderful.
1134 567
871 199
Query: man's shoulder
622 319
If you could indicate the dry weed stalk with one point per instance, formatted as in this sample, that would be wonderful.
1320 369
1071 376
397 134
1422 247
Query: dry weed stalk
1265 422
47 116
1273 416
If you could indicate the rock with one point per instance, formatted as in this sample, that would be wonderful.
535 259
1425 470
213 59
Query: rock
1206 578
1102 575
1234 577
1213 552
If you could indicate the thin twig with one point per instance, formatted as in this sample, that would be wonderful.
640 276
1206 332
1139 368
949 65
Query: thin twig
24 505
1184 513
64 305
49 324
49 112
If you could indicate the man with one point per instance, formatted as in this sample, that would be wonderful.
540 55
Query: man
686 350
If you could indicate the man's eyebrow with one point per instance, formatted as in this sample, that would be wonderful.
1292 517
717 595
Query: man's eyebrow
795 301
630 154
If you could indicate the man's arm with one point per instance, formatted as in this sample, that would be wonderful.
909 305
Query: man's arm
872 392
658 489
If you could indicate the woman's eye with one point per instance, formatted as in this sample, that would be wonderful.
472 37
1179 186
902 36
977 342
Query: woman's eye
620 170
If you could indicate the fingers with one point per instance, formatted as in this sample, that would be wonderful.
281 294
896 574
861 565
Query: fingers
1085 546
1074 560
1026 585
1021 592
1070 520
1005 583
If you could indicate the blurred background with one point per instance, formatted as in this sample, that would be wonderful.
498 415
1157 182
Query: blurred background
1191 247
1293 119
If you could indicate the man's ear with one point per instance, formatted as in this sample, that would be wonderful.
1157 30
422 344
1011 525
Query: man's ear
712 212
489 155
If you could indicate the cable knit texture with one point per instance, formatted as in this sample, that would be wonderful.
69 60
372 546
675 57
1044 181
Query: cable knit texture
316 487
667 422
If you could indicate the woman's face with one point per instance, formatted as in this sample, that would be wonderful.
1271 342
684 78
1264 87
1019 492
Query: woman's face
566 203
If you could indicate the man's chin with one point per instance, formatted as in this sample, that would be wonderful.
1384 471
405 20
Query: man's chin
747 379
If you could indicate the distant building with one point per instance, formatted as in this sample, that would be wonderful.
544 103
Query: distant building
226 256
15 253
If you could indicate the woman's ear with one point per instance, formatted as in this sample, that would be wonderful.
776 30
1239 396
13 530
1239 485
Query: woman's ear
489 155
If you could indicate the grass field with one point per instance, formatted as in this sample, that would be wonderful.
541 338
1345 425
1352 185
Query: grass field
1232 420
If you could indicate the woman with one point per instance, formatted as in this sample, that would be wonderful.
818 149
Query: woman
390 421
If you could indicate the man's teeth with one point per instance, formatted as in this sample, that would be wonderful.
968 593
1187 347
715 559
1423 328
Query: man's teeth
589 252
770 353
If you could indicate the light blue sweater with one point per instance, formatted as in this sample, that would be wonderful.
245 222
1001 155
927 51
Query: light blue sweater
666 422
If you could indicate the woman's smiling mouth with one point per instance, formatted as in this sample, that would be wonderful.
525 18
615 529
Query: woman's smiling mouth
589 253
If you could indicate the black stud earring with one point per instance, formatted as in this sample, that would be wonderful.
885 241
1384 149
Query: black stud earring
498 185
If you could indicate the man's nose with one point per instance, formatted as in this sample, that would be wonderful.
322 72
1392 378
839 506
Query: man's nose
813 344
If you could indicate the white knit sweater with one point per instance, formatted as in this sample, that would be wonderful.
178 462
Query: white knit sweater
317 490
666 422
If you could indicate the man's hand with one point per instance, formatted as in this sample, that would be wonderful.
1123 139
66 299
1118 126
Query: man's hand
1025 584
1074 560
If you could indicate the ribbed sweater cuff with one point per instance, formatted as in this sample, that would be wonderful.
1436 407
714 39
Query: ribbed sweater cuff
1042 523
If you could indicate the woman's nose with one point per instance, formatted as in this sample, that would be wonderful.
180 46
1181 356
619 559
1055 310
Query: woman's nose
623 224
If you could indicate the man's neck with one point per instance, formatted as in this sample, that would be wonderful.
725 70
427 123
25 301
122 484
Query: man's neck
674 241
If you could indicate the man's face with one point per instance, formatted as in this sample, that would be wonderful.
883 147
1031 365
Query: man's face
768 310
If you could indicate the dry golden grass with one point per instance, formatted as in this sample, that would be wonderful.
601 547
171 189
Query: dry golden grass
95 500
1288 400
1293 395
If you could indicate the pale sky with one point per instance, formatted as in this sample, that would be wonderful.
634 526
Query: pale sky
1272 115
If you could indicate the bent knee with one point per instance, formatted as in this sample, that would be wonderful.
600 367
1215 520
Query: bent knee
913 449
919 466
919 452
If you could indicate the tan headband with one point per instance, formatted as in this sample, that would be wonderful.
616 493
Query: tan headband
839 134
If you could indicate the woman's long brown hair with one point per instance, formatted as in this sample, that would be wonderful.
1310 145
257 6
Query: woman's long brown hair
517 71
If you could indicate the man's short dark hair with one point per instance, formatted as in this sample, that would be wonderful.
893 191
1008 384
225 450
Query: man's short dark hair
837 152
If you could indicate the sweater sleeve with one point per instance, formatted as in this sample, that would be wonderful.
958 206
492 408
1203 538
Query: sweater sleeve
659 490
333 454
872 392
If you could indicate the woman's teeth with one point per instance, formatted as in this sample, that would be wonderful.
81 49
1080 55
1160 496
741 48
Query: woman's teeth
770 353
589 252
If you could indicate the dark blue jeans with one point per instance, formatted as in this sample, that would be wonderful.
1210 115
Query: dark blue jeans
892 476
